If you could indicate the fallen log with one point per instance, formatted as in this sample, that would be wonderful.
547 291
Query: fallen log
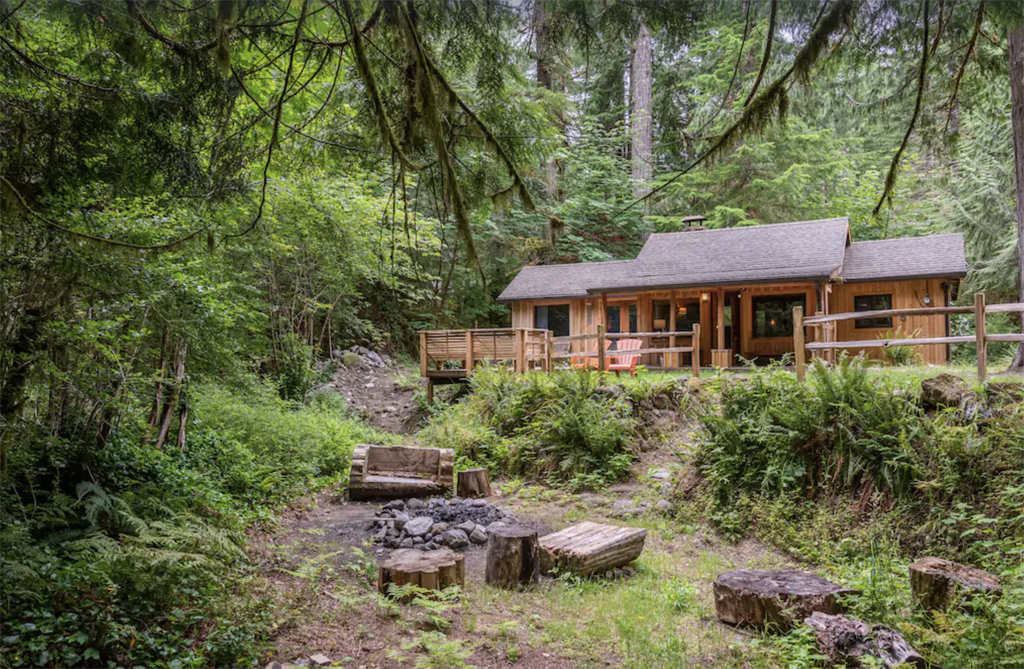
430 570
779 599
590 548
938 583
847 641
513 559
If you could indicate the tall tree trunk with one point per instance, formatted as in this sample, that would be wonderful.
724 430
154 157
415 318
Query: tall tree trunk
545 80
640 116
1017 115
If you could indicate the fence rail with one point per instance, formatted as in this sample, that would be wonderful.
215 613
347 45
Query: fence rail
827 322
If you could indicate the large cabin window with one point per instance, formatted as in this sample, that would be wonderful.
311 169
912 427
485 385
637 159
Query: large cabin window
660 311
773 314
872 303
613 319
687 315
554 317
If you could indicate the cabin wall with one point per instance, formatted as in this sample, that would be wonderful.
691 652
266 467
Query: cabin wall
905 295
585 314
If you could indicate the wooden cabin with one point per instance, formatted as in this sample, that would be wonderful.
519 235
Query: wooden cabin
741 284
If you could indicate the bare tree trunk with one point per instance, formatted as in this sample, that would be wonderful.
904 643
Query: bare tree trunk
180 349
1016 52
545 80
640 116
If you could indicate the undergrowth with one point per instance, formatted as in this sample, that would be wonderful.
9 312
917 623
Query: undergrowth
851 473
128 555
570 428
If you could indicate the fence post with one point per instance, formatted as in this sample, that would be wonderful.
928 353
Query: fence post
798 343
979 336
423 354
695 353
469 353
520 351
601 362
549 338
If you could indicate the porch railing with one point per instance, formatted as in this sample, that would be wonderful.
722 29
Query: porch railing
456 352
601 354
827 323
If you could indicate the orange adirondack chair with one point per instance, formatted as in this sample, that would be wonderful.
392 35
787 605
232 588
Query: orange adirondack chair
584 363
625 362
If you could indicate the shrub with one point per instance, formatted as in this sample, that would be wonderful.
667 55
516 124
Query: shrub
563 426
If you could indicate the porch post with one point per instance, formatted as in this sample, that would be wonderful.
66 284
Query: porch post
671 359
720 310
798 342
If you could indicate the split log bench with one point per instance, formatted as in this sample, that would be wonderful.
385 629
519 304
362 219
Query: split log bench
400 471
779 598
590 548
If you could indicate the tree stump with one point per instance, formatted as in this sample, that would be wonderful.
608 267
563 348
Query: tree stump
844 641
937 583
590 548
474 483
780 598
431 570
513 556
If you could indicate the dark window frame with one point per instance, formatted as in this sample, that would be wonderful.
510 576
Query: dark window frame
882 323
549 307
786 314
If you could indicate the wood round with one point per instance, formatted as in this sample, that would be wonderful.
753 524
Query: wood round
778 598
474 483
938 583
431 570
513 556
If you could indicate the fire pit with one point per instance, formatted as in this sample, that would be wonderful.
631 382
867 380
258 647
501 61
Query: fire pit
453 523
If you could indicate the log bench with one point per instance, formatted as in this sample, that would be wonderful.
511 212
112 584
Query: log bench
400 471
591 548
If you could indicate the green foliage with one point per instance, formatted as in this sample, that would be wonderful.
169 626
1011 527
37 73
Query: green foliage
565 426
142 562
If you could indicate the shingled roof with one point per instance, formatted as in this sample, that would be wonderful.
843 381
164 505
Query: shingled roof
909 257
783 252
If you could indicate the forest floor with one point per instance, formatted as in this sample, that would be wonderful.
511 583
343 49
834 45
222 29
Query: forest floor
320 572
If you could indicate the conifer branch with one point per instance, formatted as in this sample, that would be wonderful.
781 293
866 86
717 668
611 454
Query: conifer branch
767 52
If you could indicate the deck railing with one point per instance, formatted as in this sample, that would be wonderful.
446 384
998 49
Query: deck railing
827 323
526 348
598 358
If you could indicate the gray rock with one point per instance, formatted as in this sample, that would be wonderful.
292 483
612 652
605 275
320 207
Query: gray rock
430 546
439 528
406 543
390 409
416 541
414 504
392 532
351 360
664 506
394 504
624 508
455 539
495 525
391 542
661 474
466 527
319 660
401 518
418 526
477 502
479 535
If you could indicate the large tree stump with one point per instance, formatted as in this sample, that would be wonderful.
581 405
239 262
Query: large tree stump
844 641
780 598
937 583
590 548
431 570
474 483
513 556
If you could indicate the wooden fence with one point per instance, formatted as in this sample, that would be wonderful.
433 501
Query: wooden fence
527 348
601 354
980 337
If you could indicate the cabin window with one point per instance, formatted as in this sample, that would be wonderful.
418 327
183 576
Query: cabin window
773 314
660 311
632 318
613 320
554 317
872 303
687 315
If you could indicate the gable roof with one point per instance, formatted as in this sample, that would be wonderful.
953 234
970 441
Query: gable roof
909 257
782 252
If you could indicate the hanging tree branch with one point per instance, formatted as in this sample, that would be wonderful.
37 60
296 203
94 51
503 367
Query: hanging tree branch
890 178
767 52
971 44
773 103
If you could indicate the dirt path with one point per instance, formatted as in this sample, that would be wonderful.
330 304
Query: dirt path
384 396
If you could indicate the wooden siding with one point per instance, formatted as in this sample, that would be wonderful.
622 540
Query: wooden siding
836 298
905 295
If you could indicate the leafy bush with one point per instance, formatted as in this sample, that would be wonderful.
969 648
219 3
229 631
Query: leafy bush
565 426
127 554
